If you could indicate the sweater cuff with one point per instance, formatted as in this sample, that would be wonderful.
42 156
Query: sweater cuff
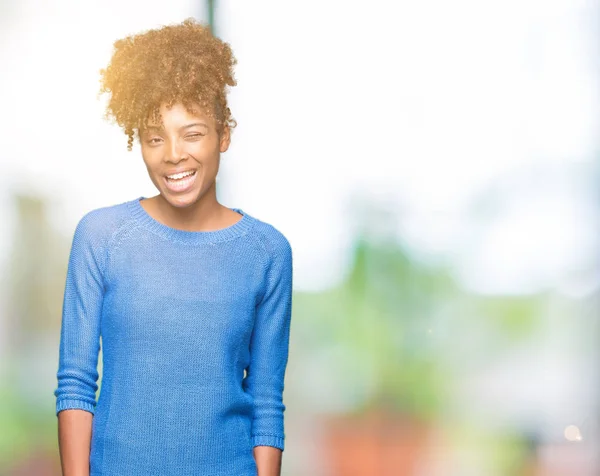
68 404
268 440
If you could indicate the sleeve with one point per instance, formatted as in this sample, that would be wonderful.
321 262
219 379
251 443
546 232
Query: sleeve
269 346
80 328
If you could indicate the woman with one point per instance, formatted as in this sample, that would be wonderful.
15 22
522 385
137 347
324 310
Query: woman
192 299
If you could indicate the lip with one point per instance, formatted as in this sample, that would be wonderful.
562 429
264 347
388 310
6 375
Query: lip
173 172
185 185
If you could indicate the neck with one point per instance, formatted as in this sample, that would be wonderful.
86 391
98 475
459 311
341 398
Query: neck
203 215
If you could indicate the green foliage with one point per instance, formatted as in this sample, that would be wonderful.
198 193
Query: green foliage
381 315
24 426
392 322
515 317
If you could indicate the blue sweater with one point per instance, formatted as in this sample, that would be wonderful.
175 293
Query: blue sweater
195 332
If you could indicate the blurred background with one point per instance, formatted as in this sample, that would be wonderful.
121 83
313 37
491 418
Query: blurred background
435 166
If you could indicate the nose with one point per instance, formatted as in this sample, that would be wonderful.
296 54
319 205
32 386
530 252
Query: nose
174 152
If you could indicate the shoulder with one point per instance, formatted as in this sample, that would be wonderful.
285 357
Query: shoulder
99 226
272 241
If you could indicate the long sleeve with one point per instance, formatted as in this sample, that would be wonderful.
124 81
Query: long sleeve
82 306
269 346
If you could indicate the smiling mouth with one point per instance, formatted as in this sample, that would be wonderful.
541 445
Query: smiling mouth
181 175
181 184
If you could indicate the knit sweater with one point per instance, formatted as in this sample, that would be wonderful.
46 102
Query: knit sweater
194 328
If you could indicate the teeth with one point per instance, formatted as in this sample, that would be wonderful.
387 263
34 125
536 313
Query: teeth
181 175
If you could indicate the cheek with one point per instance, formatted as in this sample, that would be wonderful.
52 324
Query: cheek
203 151
150 163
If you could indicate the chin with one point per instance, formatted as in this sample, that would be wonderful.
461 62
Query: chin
181 200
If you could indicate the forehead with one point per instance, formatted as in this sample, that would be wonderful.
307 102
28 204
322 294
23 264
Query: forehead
178 115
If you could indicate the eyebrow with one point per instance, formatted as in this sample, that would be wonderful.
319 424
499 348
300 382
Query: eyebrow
187 126
193 125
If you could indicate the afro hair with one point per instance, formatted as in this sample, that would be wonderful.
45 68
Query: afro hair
182 63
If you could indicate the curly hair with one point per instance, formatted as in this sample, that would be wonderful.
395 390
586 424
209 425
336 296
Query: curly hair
182 63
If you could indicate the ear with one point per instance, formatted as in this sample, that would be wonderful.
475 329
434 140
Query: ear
224 139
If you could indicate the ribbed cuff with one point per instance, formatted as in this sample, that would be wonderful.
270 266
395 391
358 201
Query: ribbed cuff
68 404
268 440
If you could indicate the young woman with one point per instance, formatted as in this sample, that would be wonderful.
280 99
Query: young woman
191 299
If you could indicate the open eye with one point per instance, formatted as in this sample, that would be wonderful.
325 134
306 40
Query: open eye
154 140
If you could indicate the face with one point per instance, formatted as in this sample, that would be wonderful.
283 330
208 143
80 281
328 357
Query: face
184 143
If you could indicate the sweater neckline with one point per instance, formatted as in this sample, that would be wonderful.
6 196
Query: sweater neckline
239 228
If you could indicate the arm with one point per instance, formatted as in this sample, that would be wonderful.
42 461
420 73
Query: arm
268 460
74 438
268 358
79 347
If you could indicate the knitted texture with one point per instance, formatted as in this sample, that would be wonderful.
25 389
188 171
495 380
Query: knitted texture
194 328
